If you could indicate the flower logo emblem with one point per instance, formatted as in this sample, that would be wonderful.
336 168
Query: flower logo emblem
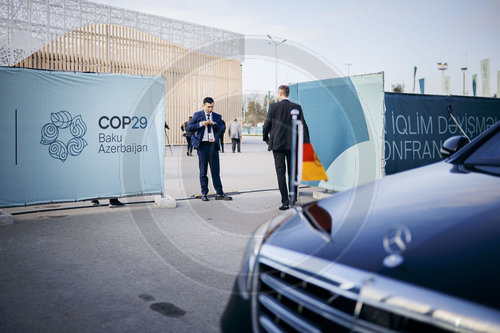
50 133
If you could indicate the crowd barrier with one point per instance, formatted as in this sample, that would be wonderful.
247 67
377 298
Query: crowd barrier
74 136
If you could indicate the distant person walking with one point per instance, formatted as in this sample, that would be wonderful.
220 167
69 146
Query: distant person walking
206 126
187 135
277 133
235 134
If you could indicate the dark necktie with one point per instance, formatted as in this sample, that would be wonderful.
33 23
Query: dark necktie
209 126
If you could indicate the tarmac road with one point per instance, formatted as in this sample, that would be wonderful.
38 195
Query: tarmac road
140 268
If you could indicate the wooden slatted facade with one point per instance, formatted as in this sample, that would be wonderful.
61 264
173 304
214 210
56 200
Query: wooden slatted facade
190 76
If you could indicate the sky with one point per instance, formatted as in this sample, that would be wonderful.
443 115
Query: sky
373 36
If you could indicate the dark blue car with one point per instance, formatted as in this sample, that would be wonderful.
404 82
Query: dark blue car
418 251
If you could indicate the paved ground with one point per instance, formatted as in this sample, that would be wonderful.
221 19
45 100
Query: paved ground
139 268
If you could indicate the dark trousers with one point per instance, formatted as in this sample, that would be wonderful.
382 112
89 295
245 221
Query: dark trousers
236 142
221 138
282 171
209 155
189 146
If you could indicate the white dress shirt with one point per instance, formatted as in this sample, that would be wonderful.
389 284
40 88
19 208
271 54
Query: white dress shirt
209 137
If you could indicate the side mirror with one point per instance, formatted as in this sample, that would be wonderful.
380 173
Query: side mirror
452 145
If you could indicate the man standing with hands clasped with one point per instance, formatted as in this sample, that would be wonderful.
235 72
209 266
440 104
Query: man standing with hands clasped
277 133
206 126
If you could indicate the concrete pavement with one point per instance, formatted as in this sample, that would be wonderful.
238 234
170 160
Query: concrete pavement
76 268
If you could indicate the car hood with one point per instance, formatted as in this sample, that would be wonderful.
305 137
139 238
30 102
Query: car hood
452 223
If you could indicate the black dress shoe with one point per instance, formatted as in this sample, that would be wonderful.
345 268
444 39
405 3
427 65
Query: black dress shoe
223 197
204 198
284 207
115 203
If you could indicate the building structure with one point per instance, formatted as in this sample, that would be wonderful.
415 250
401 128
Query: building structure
77 35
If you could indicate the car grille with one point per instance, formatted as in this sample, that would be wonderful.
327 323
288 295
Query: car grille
291 300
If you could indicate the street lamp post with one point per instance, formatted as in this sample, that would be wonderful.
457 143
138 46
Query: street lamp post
348 67
464 73
276 44
464 70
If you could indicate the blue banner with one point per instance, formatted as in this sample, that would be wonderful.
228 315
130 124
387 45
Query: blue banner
345 117
75 136
417 125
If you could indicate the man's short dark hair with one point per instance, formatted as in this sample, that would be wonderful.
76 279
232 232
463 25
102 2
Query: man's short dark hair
208 100
285 89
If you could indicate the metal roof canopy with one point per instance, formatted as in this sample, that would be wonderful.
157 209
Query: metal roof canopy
26 26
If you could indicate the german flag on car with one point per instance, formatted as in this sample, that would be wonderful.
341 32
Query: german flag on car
311 168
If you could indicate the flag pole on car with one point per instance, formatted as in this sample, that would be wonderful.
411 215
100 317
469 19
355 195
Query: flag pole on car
293 168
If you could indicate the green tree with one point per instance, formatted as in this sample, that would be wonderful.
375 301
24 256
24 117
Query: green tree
256 113
271 101
398 87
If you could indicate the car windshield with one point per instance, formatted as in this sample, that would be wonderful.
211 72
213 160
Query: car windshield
487 154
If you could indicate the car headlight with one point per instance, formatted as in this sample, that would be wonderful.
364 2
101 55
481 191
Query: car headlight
252 249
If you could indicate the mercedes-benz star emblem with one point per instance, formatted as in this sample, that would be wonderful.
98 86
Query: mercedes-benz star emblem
396 241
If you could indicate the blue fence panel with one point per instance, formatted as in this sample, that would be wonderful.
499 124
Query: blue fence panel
75 136
345 119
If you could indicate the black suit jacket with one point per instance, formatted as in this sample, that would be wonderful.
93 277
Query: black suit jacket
277 129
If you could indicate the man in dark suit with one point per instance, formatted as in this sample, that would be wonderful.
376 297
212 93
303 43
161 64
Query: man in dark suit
277 133
206 126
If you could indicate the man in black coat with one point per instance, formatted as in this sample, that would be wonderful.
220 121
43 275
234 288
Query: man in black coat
277 133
